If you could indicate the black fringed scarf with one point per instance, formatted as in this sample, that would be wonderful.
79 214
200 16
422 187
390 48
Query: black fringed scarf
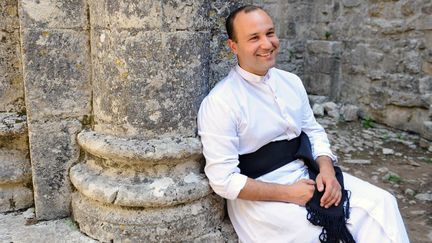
277 154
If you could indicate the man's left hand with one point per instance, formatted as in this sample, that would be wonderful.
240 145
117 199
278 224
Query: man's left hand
326 181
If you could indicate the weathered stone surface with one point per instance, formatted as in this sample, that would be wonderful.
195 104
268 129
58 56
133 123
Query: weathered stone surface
9 15
184 222
186 15
332 109
351 3
357 161
126 187
57 74
14 198
15 167
349 112
144 69
168 150
318 109
12 124
53 14
135 14
11 81
54 149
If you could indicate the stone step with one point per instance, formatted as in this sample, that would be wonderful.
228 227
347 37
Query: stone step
140 152
180 223
15 167
119 186
15 198
12 124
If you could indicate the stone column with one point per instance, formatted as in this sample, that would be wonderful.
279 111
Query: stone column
141 178
15 172
56 67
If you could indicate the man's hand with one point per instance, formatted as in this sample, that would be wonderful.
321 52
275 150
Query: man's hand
302 191
327 182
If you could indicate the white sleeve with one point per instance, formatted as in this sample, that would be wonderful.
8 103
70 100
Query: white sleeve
316 133
218 130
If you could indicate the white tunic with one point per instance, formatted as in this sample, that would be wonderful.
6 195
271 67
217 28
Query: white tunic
242 113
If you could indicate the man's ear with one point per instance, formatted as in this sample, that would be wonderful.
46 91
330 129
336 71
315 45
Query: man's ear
232 45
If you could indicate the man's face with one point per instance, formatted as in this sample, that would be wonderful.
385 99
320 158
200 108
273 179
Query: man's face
256 42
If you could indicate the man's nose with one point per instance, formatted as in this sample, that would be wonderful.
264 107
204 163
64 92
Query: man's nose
266 43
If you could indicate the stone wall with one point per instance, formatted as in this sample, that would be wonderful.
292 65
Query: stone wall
15 171
103 95
375 54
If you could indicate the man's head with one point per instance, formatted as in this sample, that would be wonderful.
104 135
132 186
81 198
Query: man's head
252 38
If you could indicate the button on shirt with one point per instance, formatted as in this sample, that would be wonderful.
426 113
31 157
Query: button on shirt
244 112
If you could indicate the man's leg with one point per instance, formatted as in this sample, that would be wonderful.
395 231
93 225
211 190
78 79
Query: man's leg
375 215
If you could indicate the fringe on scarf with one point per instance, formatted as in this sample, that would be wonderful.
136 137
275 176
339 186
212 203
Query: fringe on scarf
334 228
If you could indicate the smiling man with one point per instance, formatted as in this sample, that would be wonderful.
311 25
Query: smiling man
269 157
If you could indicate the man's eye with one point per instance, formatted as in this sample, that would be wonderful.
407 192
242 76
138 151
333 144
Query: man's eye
271 33
253 38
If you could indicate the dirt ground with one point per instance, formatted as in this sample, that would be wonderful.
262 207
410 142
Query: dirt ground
393 160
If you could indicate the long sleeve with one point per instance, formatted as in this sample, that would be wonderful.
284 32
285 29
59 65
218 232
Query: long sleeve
316 133
217 128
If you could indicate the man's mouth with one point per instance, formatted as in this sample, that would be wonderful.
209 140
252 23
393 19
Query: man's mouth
266 54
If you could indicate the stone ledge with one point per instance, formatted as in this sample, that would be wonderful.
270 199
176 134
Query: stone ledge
140 152
15 167
139 189
181 223
15 198
12 124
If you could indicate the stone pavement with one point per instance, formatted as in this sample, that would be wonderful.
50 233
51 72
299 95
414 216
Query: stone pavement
397 161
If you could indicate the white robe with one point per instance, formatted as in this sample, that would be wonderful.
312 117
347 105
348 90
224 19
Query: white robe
244 112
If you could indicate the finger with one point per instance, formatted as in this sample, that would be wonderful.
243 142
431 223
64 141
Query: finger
330 198
339 198
325 197
310 182
333 202
320 183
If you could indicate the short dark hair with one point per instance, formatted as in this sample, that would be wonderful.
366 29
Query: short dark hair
229 22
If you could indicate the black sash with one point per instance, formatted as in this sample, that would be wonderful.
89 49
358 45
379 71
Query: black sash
277 154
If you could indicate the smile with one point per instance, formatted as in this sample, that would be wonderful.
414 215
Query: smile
265 54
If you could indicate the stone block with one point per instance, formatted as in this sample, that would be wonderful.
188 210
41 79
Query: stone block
53 14
11 80
186 15
427 130
57 73
12 124
349 112
424 22
155 75
53 150
318 47
15 167
331 109
15 198
351 3
318 83
128 14
9 15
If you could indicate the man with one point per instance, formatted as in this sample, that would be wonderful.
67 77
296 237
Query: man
257 104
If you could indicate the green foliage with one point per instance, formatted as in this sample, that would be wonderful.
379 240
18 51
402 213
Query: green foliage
368 123
328 34
71 224
428 160
395 179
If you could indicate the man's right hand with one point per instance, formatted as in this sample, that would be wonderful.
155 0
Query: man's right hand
301 191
